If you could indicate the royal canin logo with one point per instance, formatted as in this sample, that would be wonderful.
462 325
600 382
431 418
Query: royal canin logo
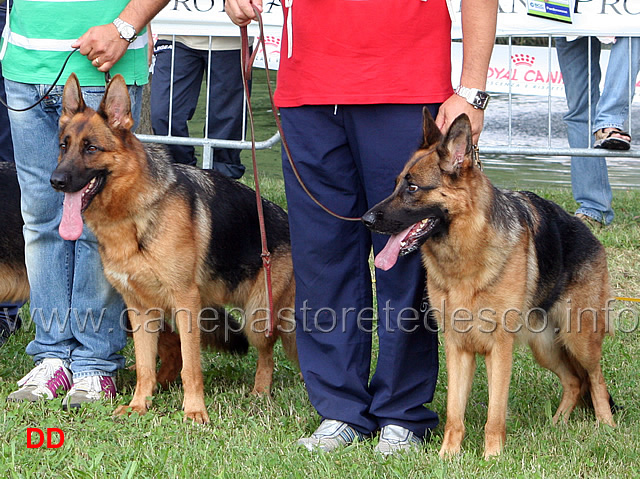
523 59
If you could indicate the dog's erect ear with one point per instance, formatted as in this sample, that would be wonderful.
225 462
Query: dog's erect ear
72 101
431 133
456 151
116 105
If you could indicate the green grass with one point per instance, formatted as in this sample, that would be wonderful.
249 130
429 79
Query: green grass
254 437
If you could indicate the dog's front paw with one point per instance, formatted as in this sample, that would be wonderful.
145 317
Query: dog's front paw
493 444
127 410
452 441
448 452
199 416
261 391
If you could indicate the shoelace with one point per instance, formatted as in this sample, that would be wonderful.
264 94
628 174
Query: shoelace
40 374
92 385
88 384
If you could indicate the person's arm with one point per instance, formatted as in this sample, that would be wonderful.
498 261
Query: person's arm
479 19
103 42
241 11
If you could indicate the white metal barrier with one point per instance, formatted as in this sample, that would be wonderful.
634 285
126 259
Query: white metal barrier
546 68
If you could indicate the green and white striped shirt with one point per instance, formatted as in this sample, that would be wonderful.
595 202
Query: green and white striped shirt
39 34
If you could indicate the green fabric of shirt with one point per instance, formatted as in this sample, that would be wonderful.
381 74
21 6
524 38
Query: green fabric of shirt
41 33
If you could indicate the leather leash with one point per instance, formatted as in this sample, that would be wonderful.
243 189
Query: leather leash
247 63
276 114
48 90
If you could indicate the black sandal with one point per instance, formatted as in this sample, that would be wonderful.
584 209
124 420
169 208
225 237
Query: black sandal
607 141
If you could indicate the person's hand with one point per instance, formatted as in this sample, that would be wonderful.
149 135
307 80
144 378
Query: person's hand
455 106
102 45
241 11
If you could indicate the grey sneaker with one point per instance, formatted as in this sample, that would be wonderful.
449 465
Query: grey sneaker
43 382
89 389
395 439
330 435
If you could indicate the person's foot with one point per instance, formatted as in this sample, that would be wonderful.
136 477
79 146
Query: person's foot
43 382
89 389
394 439
589 221
612 139
331 435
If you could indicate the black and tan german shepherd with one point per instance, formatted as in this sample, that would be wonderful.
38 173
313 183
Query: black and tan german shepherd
13 274
219 330
171 238
502 266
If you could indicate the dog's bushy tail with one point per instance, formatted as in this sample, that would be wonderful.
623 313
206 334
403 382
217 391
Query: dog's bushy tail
220 331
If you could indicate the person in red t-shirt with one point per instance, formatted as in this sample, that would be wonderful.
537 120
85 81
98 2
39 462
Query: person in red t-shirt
354 77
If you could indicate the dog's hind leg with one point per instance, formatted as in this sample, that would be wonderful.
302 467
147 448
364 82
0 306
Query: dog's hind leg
550 354
256 326
461 365
586 328
586 349
256 333
170 358
285 310
145 338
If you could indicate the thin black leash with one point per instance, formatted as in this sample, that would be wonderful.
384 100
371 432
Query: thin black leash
48 91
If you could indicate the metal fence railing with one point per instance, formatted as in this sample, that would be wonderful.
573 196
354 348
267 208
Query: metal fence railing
505 146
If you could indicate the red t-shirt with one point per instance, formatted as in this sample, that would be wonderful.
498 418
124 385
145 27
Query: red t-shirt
365 52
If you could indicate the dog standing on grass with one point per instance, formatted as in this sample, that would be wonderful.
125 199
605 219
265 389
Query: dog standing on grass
172 238
502 267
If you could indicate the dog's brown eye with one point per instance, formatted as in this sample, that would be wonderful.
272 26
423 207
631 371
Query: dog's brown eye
413 188
63 146
92 149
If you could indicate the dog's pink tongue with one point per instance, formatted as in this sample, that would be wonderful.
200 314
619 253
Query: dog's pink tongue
71 224
389 255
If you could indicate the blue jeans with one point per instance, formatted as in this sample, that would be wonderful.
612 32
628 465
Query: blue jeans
589 176
613 108
76 312
226 100
349 157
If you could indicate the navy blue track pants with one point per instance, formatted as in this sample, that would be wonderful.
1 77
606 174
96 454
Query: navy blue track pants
226 100
349 157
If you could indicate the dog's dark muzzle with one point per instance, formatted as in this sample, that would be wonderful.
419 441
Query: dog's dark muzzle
60 180
371 217
70 180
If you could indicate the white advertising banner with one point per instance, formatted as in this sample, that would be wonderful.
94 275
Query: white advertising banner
207 17
593 17
519 70
525 70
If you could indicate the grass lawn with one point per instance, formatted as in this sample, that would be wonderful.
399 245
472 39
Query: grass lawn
255 436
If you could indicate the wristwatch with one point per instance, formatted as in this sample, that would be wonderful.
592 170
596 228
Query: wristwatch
478 98
126 30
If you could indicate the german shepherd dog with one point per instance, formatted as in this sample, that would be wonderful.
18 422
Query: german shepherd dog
171 238
219 331
502 266
13 273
